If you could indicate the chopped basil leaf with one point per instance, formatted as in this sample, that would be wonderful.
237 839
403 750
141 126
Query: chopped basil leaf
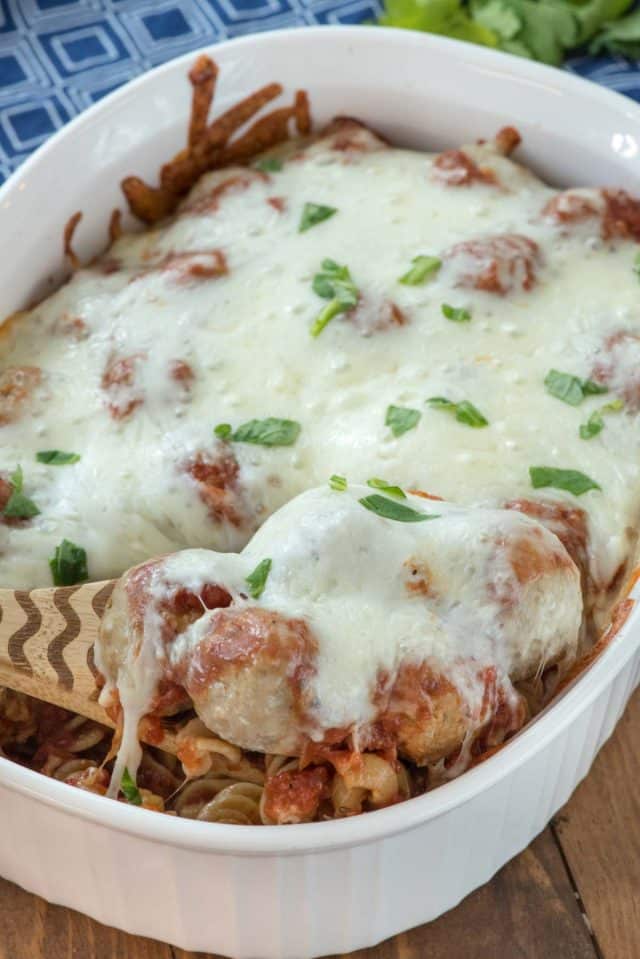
19 506
564 387
391 509
269 165
258 578
313 213
442 403
636 265
333 283
455 313
338 483
129 789
573 481
68 564
571 389
17 479
223 431
401 419
269 432
386 488
595 423
593 426
589 388
422 269
470 415
464 412
57 457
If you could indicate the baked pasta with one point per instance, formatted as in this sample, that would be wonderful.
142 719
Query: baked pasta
331 306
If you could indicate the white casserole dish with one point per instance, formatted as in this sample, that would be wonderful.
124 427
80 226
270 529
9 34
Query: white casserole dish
310 890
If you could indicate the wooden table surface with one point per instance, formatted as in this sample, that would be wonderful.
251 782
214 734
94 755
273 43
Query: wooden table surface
573 894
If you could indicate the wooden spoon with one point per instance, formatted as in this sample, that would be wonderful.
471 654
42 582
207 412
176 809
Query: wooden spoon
46 649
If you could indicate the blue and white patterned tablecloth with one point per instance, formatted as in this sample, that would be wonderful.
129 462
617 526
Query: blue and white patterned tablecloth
57 57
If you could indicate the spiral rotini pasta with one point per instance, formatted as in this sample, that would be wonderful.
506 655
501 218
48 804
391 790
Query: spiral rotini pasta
211 780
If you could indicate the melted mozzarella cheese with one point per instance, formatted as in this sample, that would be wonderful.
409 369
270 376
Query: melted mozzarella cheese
495 590
246 337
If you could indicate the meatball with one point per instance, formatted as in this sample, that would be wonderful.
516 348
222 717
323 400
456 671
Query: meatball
501 264
366 633
248 672
17 384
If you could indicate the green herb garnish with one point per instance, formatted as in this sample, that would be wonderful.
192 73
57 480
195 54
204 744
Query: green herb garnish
595 423
636 259
258 578
573 481
621 37
338 483
422 269
19 506
455 313
314 213
68 564
571 389
400 419
57 457
391 509
333 283
269 165
545 30
129 789
386 488
269 432
464 412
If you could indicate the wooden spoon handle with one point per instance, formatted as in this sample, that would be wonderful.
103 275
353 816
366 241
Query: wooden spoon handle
46 648
46 644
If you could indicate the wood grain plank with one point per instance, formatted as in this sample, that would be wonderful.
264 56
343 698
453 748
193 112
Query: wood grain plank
30 928
599 831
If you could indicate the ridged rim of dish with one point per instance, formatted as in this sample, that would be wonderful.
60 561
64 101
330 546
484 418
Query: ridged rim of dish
550 724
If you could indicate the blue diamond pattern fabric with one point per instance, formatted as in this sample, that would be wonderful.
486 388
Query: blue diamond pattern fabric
57 57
